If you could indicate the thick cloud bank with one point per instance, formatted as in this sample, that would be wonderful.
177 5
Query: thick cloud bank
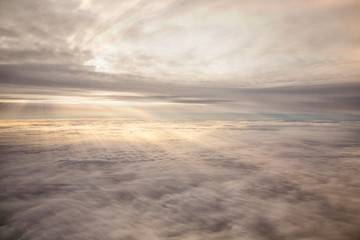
142 179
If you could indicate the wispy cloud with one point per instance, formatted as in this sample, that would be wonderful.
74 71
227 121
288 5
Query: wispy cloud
244 56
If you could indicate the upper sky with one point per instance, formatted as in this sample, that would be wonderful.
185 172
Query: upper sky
223 56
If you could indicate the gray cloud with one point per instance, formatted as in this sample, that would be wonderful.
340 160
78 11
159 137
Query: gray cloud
238 41
48 82
233 180
231 57
36 32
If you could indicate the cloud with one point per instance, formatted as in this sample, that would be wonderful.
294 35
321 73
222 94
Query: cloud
124 179
228 57
189 41
46 85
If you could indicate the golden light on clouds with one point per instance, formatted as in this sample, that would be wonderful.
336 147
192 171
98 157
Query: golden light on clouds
179 178
221 39
179 119
178 54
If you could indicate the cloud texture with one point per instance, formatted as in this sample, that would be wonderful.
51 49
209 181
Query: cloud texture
208 40
182 54
131 179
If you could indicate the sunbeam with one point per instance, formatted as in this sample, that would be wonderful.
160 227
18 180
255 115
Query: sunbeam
179 120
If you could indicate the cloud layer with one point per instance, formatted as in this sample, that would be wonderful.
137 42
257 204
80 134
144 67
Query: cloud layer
28 89
127 179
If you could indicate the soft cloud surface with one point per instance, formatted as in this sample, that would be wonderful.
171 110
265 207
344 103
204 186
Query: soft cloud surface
137 179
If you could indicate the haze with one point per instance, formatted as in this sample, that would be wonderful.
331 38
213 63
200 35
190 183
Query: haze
191 120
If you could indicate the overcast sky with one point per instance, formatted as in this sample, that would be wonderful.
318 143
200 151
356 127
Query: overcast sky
180 57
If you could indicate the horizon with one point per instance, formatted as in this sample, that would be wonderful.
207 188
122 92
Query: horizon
176 58
179 119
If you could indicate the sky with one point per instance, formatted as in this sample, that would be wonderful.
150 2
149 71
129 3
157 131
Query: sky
179 119
177 58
